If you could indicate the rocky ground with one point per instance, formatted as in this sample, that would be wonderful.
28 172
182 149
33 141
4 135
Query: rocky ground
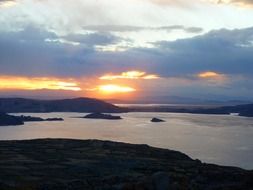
60 164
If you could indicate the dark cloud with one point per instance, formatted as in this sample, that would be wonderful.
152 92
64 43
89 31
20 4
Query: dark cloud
224 51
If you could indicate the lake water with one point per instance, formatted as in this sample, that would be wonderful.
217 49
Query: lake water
219 139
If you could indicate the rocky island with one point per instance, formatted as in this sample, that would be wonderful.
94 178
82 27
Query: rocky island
156 120
61 164
102 116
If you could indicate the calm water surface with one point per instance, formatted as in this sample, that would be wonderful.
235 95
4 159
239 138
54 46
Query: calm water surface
225 140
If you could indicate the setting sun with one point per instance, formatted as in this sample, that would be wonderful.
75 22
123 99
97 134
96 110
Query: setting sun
111 88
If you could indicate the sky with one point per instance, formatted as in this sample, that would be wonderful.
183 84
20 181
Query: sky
129 50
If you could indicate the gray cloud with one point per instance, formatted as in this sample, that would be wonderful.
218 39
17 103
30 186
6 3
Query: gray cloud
127 28
250 2
225 51
93 38
245 2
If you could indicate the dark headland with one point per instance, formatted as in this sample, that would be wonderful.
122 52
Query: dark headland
7 119
61 164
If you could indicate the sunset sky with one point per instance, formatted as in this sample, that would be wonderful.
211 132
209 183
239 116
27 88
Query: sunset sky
131 49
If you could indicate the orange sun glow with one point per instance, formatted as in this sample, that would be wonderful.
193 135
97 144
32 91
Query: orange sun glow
25 83
111 88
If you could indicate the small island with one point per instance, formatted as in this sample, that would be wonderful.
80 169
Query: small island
54 119
156 120
102 116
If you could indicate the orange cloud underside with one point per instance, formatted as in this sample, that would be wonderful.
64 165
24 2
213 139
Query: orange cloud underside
129 75
209 74
125 84
214 77
25 83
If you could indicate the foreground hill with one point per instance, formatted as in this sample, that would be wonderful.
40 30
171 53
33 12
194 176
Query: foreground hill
20 105
60 164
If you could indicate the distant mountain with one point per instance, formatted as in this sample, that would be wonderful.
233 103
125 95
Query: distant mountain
179 100
243 110
21 105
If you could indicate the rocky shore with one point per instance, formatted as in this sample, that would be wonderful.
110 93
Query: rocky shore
61 164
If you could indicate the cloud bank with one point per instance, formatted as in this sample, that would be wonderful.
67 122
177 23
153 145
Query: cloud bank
225 52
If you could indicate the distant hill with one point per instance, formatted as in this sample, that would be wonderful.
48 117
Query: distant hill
180 100
22 105
243 110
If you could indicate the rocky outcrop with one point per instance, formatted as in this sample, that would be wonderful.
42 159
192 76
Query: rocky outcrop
29 118
54 119
60 164
33 119
156 120
102 116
